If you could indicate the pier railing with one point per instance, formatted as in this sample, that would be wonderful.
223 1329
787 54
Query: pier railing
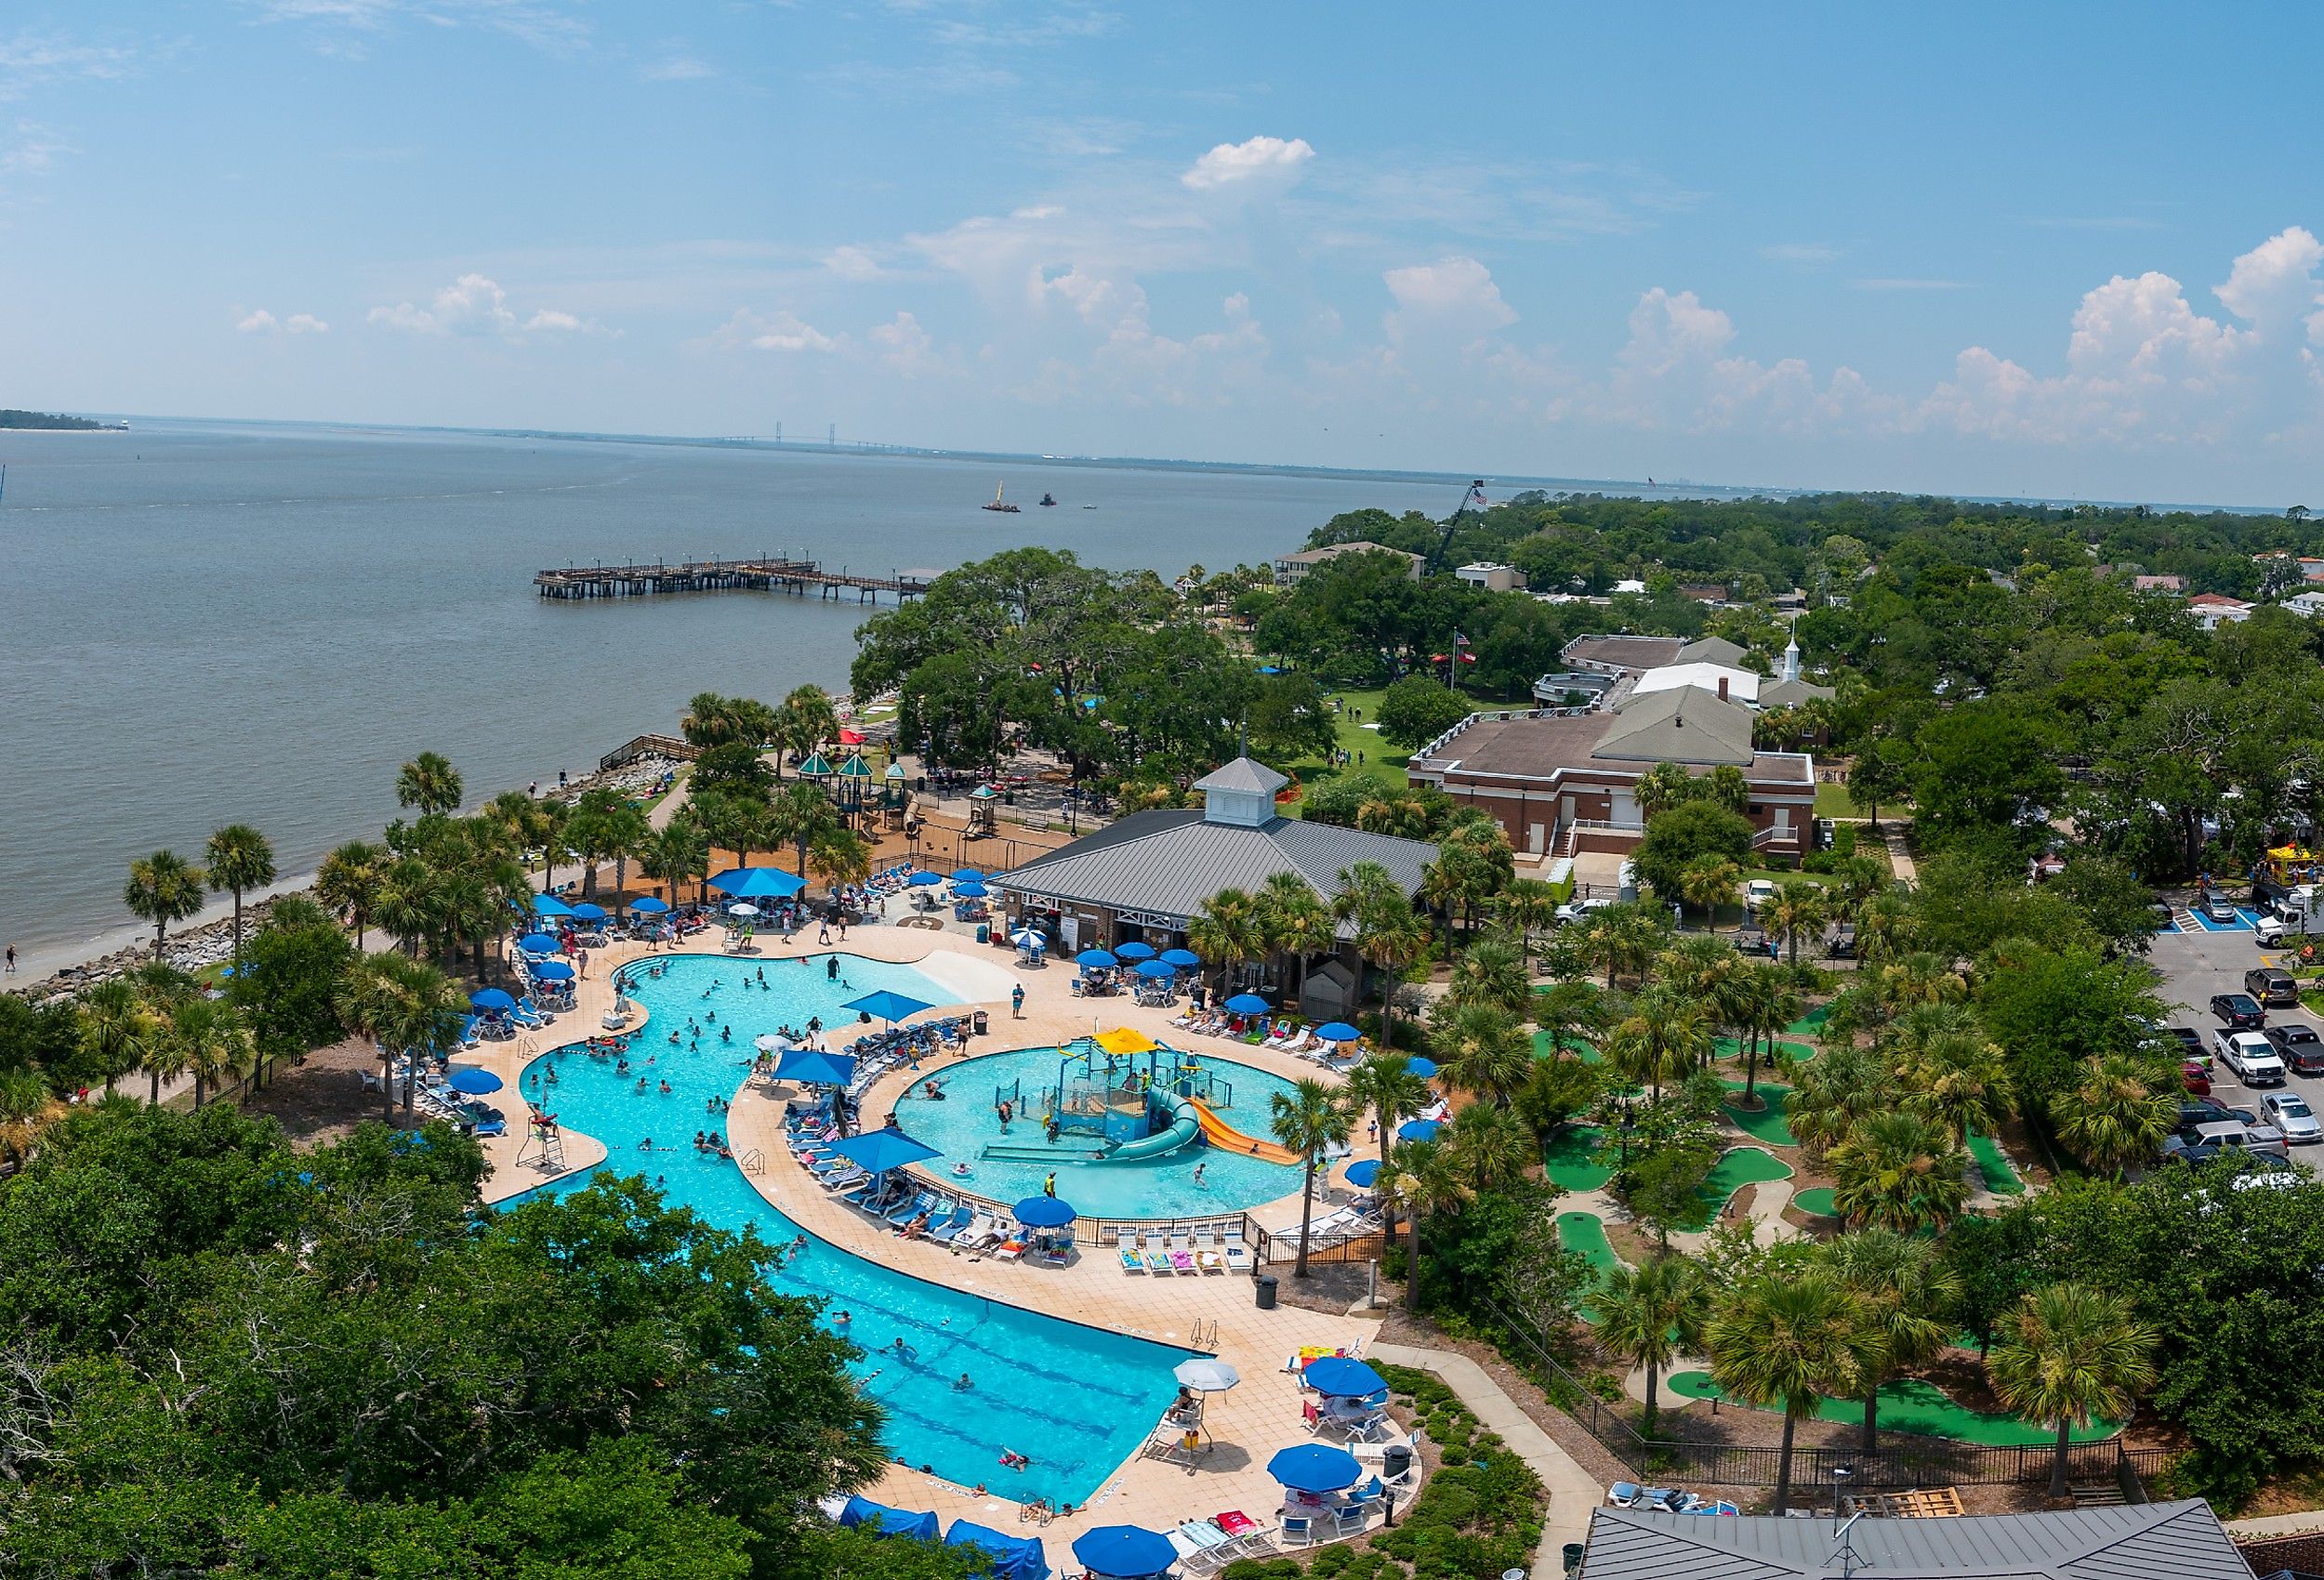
781 573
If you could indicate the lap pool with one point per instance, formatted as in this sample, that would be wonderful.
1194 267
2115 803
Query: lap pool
1077 1399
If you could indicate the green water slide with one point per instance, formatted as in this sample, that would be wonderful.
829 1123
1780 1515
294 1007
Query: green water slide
1185 1127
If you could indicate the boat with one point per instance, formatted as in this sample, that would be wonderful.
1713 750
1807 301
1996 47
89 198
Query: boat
1048 499
1000 503
1089 507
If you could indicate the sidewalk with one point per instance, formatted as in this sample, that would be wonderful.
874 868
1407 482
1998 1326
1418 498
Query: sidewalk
1573 1492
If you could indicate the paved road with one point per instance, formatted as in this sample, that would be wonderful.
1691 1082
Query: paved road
2198 964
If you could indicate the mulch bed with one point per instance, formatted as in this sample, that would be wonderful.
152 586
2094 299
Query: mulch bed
322 1099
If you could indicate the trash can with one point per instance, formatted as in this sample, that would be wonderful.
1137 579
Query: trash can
977 1022
1266 1282
1572 1552
984 932
1395 1460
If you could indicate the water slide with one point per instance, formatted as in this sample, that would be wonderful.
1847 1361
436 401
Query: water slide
1185 1125
1226 1137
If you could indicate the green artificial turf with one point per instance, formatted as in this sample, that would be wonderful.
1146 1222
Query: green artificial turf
1586 1234
1570 1159
1728 1047
1911 1404
1739 1167
2000 1177
1767 1125
1543 1048
1817 1202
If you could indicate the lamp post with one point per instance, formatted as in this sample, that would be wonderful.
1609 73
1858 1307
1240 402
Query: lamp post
1841 1475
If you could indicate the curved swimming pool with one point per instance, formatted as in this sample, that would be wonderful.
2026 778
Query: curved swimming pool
966 1127
1077 1399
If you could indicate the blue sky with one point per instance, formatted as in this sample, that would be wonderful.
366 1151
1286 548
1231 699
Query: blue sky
2060 249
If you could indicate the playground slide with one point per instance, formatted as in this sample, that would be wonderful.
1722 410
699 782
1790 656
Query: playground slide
1227 1138
1184 1126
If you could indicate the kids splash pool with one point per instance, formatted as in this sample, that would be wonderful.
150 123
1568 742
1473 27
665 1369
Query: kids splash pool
1077 1399
1153 1170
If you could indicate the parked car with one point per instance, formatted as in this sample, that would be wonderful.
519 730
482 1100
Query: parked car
1757 893
2203 1110
2184 1149
2290 1112
2298 1045
2272 985
2240 1010
2261 1171
2267 1139
2195 1078
2219 908
2251 1057
1575 910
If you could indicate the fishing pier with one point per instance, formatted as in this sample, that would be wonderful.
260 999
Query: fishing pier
780 573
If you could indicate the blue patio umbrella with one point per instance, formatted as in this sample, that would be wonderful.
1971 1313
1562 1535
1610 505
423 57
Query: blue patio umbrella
1044 1212
1270 670
888 1005
925 880
473 1081
969 891
1425 1068
539 943
1343 1379
1133 951
1184 959
584 911
1124 1552
1418 1130
1025 938
967 875
758 883
1315 1467
1361 1173
648 906
1249 1004
876 1151
490 1000
553 972
813 1067
1337 1032
1096 958
1157 970
886 1522
550 905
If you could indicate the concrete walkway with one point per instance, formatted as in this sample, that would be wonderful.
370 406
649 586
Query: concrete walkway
2277 1524
1573 1491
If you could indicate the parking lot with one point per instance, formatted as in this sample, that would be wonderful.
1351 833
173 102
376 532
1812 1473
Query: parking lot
2201 960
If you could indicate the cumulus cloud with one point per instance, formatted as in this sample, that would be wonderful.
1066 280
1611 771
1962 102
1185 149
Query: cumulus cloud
783 331
1452 298
851 263
260 321
474 305
1269 161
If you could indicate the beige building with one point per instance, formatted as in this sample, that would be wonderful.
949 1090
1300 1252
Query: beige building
1493 578
1293 569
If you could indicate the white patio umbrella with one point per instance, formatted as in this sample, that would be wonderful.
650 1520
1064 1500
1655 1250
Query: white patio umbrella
1207 1375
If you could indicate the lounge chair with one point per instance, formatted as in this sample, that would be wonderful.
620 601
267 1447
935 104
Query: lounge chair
1182 1257
1350 1521
1215 1546
1208 1257
1193 1556
1158 1256
1237 1250
981 1235
1012 1246
1132 1259
1249 1535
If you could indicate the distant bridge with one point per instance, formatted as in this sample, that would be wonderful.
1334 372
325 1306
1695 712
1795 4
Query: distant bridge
635 579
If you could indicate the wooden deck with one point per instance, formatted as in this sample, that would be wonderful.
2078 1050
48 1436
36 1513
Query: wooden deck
780 573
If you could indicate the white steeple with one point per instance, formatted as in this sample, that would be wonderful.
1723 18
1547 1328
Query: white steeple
1792 658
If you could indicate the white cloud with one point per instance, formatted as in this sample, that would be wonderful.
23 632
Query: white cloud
783 331
260 321
34 150
1452 298
474 305
677 69
2275 280
851 263
904 345
29 59
1905 283
344 26
1259 160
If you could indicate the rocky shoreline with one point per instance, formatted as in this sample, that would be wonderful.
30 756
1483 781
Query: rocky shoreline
212 943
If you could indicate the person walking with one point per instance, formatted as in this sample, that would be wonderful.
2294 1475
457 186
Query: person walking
1016 994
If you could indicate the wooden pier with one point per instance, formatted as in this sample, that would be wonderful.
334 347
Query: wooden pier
777 575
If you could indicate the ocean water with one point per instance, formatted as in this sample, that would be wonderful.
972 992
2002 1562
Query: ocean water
205 623
1076 1400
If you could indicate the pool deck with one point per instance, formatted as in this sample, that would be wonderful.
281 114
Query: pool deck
1248 1424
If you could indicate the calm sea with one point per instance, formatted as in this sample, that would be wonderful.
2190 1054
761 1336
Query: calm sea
207 623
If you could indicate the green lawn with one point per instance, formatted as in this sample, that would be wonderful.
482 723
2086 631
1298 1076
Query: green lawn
1571 1159
2000 1177
1810 1023
1766 1126
1833 801
1910 1404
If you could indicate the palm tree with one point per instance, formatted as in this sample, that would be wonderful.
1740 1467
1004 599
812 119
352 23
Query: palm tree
1797 906
407 907
1490 1148
1383 1082
806 719
798 816
2069 1354
210 1040
1624 939
1904 1298
625 831
1845 1086
162 888
108 1029
1389 935
1961 1079
840 856
1920 977
1785 1342
1491 972
1529 904
1308 1119
1663 1036
349 881
1651 1315
1228 934
27 1108
1421 1179
2118 1115
1765 1003
1483 1047
240 860
1295 922
676 853
365 998
1707 883
707 721
1573 1008
1662 788
428 782
1899 1171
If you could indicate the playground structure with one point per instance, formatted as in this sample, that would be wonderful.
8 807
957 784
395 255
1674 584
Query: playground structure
1121 1097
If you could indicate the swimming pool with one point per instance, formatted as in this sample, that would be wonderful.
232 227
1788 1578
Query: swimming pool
1077 1399
966 1122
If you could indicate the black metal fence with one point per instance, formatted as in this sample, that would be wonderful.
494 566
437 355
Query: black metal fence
1901 1461
1270 1247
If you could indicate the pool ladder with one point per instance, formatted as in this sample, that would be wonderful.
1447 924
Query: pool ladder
753 1162
1205 1336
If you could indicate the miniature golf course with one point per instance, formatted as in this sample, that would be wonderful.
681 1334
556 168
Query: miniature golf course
2000 1177
1739 1167
1765 1124
1910 1404
1586 1234
1571 1159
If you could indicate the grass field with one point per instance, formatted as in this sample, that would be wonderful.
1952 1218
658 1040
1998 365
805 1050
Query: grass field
1910 1404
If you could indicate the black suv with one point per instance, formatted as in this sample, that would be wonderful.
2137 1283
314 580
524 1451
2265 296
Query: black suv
2191 1043
2240 1010
2272 985
2298 1045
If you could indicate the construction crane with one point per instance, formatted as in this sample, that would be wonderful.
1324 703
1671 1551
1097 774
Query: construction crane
1473 499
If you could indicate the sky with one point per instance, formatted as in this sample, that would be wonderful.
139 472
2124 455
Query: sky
2059 250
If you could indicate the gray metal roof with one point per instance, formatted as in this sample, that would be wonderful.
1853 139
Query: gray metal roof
1171 862
1683 725
1243 774
1791 693
1711 650
2153 1541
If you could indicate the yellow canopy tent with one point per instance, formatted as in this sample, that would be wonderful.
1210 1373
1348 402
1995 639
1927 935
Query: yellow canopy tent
1122 1040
